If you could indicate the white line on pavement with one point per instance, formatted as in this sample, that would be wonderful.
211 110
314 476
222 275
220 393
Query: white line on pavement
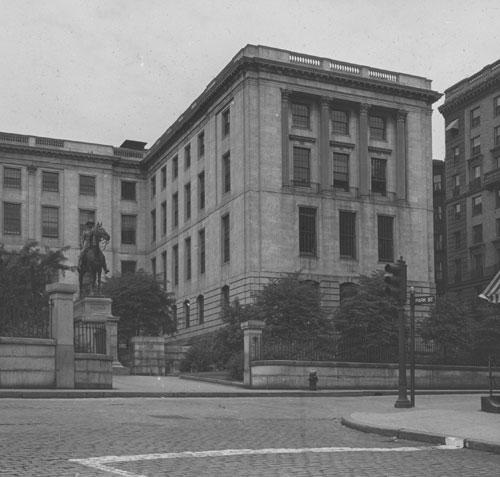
100 463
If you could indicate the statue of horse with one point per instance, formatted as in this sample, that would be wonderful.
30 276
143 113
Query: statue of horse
93 260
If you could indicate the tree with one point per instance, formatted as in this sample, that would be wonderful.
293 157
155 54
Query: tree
290 305
366 313
141 304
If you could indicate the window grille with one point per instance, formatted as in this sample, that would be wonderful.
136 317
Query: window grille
347 232
50 222
87 185
12 178
128 229
226 255
301 166
340 122
128 266
377 127
128 190
307 231
300 116
11 218
341 171
187 200
187 251
50 181
385 238
201 245
379 185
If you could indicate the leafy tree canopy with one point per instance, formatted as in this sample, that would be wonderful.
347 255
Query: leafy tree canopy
367 313
141 304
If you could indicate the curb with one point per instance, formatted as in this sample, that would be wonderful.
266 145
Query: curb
422 436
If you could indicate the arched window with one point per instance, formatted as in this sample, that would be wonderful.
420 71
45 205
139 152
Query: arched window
200 301
187 313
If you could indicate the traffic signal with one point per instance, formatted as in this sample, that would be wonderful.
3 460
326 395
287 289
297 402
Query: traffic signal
395 280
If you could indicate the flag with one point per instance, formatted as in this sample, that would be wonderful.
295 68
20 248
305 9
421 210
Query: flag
492 291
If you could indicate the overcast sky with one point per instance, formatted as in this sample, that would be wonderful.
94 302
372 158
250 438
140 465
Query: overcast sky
107 70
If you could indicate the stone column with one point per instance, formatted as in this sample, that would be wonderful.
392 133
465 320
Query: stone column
61 328
252 339
112 344
401 178
364 159
326 180
285 141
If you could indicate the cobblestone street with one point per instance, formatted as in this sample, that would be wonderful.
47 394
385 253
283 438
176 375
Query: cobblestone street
212 437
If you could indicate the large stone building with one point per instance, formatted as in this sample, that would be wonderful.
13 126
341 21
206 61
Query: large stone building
440 257
285 162
472 117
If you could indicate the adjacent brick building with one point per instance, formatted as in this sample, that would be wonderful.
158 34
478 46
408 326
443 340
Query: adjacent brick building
285 162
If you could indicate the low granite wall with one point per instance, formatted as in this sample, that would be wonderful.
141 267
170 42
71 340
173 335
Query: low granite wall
93 371
173 358
331 375
147 355
27 363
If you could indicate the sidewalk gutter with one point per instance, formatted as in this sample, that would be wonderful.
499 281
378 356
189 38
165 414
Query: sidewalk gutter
422 436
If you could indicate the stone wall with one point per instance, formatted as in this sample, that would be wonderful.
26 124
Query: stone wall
27 363
93 371
147 355
295 374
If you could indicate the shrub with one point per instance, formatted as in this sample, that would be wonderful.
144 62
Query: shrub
235 366
199 358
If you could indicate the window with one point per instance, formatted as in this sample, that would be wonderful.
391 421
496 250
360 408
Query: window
438 213
201 144
475 118
340 122
187 201
226 252
175 210
187 313
226 122
187 252
476 172
164 268
175 167
201 248
50 181
200 301
175 264
347 232
475 145
456 184
377 127
12 178
50 222
477 265
438 242
163 218
439 270
301 166
187 156
341 171
379 176
129 226
153 267
477 233
300 116
128 190
307 231
458 269
224 296
496 106
458 239
496 134
84 217
87 185
163 177
457 211
127 266
385 227
152 182
455 152
201 190
437 182
477 205
153 225
226 172
11 218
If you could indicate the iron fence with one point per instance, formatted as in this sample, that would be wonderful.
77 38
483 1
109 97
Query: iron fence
341 348
25 321
90 338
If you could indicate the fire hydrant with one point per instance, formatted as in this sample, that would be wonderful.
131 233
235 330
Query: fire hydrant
313 379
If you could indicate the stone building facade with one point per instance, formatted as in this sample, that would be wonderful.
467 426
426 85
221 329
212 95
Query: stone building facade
285 162
472 116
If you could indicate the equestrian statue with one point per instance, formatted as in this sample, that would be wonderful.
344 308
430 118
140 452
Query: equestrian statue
92 260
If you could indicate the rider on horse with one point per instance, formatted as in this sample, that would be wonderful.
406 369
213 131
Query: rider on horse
86 242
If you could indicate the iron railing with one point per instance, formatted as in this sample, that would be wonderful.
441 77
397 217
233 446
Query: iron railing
28 321
90 338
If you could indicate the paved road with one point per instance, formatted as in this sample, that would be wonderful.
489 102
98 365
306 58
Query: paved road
212 437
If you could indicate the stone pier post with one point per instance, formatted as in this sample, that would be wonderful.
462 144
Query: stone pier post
252 338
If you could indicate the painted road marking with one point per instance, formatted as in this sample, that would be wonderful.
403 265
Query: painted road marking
102 463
